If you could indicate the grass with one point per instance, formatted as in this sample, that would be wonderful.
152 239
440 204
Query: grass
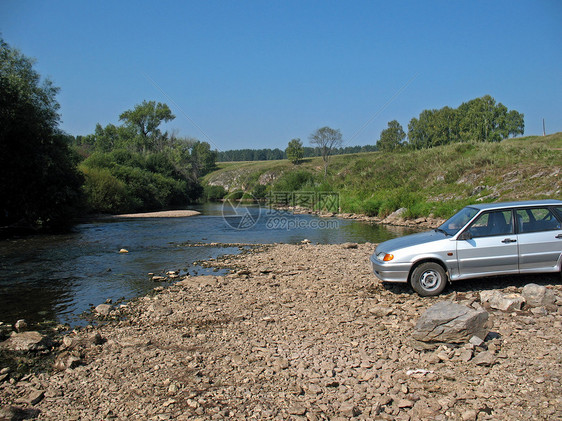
436 181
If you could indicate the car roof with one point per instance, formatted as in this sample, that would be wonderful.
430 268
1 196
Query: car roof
525 203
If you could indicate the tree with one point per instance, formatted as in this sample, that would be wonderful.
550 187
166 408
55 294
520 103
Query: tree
203 159
144 119
39 183
295 151
326 139
392 137
515 123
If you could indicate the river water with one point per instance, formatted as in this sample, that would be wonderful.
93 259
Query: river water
59 277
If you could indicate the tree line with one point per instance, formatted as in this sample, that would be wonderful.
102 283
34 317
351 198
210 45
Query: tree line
478 120
277 154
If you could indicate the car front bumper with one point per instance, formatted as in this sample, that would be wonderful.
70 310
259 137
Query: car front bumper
390 271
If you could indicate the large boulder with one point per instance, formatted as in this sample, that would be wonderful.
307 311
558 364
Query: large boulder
538 295
447 322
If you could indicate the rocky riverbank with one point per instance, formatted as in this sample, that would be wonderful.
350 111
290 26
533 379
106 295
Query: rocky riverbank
396 218
302 332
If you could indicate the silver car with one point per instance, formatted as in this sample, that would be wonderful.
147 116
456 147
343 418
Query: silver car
480 240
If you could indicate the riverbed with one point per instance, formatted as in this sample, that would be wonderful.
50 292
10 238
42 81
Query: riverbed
59 277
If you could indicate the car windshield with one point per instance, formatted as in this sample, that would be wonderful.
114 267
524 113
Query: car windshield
452 225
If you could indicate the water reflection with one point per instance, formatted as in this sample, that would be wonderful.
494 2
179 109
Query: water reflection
59 277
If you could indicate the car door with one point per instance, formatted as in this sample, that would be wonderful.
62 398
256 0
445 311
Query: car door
540 240
489 246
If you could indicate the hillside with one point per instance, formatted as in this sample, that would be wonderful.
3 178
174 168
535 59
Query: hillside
429 181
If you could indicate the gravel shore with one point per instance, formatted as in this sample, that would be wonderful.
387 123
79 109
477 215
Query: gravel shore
160 214
299 332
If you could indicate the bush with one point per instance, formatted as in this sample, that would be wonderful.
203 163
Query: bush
104 192
371 207
293 181
214 193
260 191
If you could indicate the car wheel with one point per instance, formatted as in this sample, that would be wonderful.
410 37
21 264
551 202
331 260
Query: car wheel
429 279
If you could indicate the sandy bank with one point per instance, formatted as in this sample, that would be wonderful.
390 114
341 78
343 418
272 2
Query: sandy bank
161 214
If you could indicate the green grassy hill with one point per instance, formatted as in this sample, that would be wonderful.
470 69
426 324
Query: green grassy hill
431 181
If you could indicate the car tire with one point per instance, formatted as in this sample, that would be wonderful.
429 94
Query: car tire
429 279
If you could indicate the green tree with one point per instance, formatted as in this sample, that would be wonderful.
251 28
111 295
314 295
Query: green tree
482 120
203 159
419 130
515 123
295 151
39 183
144 120
392 137
326 139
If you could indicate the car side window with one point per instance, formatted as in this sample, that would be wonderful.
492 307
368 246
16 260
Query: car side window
536 219
492 223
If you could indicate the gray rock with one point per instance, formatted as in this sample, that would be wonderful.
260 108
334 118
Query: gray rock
538 295
539 311
67 360
160 310
348 409
297 410
476 341
447 322
21 326
103 309
485 358
35 397
465 355
27 341
381 311
504 302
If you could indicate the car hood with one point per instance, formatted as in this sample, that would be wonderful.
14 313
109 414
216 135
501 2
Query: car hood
410 240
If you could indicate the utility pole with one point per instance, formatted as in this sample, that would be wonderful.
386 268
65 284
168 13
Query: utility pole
543 129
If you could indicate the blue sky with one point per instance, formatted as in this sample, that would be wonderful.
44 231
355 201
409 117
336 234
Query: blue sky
255 74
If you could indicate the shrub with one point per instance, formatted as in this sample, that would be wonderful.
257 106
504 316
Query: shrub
104 192
293 181
371 207
259 191
214 193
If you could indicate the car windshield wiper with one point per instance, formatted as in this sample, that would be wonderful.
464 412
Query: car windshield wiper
441 230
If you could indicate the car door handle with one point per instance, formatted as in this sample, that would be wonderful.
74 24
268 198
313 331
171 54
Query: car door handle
509 240
558 236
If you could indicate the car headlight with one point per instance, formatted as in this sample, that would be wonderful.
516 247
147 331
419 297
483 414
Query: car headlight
385 257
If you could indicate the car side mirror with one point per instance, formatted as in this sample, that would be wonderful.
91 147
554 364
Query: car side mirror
465 236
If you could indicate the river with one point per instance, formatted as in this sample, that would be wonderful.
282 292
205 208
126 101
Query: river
59 277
